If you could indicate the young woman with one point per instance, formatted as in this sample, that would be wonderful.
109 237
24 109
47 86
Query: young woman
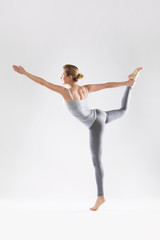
94 119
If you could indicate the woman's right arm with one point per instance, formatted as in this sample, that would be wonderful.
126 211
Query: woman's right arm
100 86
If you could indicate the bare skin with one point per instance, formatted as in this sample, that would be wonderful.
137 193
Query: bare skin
135 73
134 76
100 200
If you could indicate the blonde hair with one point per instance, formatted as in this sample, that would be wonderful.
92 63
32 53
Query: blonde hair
73 71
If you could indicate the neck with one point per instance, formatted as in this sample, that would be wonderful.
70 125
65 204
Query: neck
73 84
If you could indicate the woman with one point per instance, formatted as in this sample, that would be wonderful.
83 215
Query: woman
94 119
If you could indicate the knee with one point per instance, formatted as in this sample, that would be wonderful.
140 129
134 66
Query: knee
97 162
124 109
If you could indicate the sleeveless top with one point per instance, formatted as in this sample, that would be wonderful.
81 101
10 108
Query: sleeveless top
80 110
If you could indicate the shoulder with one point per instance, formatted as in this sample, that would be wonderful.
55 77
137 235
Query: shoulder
65 94
86 88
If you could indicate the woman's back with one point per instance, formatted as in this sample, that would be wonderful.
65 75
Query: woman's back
80 110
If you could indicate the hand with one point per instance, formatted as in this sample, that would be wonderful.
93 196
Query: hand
19 69
131 82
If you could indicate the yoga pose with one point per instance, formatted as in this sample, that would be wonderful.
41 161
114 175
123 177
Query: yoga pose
94 119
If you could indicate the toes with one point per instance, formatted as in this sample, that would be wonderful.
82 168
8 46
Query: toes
93 209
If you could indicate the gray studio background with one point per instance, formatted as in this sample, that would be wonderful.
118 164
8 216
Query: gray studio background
44 150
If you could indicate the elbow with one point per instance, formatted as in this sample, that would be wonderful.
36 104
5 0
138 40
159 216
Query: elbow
107 85
43 83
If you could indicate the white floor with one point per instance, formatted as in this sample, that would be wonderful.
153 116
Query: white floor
115 219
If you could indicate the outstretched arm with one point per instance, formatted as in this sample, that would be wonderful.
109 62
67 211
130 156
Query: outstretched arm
43 82
97 87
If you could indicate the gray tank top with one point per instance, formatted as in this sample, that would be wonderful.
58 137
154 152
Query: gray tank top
80 110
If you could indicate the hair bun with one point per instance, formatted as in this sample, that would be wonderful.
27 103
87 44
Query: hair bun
79 76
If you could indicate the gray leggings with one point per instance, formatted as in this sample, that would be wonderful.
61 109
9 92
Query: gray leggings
96 134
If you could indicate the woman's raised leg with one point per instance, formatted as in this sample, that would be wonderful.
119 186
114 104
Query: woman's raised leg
117 113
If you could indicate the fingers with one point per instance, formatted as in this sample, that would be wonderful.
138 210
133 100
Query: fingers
16 67
19 69
131 82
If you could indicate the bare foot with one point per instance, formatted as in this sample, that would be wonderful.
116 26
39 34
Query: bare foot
99 201
134 75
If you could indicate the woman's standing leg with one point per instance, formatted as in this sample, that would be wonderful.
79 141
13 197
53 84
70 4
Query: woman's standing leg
96 140
95 137
117 113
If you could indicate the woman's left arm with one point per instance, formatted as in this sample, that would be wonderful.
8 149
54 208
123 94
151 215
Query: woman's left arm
53 87
43 82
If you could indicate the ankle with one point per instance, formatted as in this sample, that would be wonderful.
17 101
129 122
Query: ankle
100 196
